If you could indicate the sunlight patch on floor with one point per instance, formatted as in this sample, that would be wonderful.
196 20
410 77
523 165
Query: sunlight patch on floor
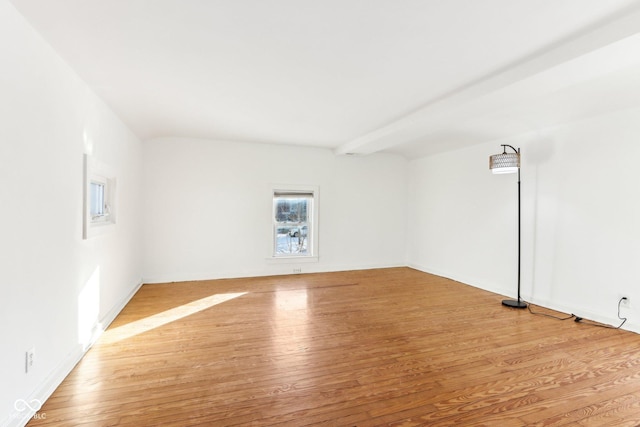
148 323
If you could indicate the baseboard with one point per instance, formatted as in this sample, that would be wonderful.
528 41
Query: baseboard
586 314
551 305
111 315
45 390
280 270
53 380
471 281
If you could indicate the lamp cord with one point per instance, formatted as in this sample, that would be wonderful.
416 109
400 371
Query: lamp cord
546 314
600 325
580 319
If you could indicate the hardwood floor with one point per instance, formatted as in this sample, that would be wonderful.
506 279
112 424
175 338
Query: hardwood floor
390 347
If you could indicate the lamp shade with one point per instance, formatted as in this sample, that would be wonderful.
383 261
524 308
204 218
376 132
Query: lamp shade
504 163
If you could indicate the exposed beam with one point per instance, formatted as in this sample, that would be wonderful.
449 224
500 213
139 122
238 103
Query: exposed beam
615 29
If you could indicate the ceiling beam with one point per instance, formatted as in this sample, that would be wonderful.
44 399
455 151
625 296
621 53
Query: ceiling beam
620 27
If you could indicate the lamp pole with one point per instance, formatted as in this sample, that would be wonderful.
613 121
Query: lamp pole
508 163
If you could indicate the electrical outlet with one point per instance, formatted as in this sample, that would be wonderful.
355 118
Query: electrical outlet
30 358
625 301
297 270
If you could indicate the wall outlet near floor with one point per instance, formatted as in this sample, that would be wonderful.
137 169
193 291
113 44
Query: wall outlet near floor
625 301
30 358
297 270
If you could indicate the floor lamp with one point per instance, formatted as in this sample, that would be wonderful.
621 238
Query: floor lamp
510 163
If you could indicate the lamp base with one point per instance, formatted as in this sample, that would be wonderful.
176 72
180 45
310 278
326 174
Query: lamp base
514 303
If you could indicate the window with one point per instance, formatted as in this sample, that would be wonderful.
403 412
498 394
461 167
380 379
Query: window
96 200
294 218
99 201
99 198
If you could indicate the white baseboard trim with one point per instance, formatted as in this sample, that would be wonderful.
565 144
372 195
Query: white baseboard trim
471 281
586 314
111 315
45 390
278 270
55 378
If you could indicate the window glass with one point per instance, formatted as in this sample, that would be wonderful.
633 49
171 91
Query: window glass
99 200
292 224
96 202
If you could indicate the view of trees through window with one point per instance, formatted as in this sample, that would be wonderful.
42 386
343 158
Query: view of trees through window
292 224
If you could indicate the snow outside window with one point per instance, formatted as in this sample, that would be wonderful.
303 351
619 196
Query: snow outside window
293 225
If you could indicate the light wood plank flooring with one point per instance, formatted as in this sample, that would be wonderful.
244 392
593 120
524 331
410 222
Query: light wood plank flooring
363 348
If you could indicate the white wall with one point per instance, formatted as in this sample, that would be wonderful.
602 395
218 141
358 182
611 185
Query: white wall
580 218
205 213
208 208
49 119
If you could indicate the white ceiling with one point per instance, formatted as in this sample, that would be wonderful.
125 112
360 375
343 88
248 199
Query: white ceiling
414 77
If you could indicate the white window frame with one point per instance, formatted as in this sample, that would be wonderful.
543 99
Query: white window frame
312 234
94 172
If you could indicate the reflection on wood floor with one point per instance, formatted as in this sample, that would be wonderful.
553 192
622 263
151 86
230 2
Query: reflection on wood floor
359 348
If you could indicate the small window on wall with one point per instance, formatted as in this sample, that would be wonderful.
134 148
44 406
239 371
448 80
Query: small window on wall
294 219
99 198
97 207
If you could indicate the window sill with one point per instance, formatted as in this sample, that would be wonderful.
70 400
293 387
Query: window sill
292 259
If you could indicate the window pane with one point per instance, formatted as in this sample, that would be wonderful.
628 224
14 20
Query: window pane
292 240
292 215
291 209
96 202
